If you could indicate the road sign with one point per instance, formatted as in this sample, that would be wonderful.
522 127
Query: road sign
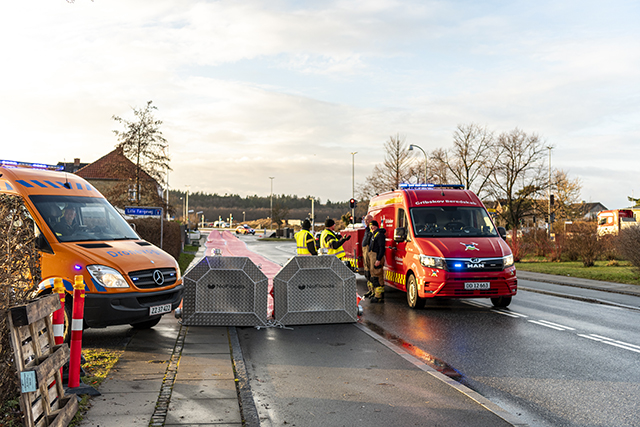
142 211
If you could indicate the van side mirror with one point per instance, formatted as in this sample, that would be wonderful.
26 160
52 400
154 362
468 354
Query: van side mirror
42 244
400 234
502 232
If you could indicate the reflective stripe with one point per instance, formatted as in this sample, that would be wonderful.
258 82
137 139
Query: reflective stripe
76 324
58 330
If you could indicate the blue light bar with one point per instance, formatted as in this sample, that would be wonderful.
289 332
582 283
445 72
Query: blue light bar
42 166
407 186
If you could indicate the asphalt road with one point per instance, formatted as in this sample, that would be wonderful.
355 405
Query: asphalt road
552 361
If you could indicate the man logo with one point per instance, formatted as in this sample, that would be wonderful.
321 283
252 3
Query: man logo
158 277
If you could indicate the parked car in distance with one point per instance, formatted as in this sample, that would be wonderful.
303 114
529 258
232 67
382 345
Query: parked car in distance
245 229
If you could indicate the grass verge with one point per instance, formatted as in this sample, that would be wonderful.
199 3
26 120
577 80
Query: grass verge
623 272
184 260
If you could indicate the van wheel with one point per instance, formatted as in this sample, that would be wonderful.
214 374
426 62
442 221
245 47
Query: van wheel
413 299
501 302
148 324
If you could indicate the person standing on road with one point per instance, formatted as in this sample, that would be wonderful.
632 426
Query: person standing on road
376 259
306 244
329 239
366 239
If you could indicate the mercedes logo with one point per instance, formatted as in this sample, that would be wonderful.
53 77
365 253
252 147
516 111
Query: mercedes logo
158 277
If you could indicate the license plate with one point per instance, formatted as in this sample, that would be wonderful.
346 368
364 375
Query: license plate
469 286
160 309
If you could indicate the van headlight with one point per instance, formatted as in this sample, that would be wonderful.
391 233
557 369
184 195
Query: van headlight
433 262
507 261
107 276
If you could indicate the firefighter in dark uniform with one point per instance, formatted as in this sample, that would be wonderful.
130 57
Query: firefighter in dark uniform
376 258
366 239
306 244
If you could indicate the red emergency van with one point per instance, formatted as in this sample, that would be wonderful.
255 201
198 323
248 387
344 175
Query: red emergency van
442 243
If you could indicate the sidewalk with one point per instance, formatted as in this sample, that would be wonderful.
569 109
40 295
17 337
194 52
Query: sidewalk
578 282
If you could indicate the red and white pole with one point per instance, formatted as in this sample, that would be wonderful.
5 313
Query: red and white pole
58 315
76 332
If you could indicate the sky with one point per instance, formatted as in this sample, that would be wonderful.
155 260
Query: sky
249 90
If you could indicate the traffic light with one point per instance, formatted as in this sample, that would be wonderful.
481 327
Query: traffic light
551 199
352 203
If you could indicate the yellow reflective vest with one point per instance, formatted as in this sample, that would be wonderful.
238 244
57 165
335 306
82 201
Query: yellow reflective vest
326 238
302 238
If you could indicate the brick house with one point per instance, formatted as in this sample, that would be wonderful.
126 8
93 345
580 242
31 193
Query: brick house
114 175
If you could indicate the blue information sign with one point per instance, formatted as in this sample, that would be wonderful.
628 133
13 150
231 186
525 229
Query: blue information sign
134 210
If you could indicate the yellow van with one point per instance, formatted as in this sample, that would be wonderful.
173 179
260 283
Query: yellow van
127 280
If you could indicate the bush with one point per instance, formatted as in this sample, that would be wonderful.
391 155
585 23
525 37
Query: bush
627 245
149 230
536 242
584 243
19 275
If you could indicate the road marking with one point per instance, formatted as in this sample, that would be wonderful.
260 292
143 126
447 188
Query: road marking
611 341
506 313
547 325
557 325
476 304
509 313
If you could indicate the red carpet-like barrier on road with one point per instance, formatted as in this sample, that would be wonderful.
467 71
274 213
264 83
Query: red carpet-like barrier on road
230 245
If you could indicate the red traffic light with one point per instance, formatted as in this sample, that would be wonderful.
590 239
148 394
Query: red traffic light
352 203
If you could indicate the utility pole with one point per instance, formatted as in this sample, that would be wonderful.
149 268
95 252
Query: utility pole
187 210
549 192
271 217
353 185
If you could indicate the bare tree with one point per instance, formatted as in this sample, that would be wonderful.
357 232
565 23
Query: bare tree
471 161
399 166
142 142
518 175
567 194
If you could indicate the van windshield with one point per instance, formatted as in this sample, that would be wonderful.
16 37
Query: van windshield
81 219
452 221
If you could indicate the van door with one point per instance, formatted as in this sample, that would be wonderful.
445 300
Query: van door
397 252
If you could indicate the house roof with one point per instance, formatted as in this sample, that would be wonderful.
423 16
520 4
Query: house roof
586 208
112 166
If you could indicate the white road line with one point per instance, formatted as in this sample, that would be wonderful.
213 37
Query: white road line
506 313
559 326
547 325
513 313
476 304
611 341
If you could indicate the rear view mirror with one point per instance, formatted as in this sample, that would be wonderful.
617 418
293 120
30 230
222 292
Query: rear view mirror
502 232
400 234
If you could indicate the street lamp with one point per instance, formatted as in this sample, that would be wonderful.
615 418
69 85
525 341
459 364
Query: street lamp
271 217
182 204
188 206
411 147
550 147
243 220
353 185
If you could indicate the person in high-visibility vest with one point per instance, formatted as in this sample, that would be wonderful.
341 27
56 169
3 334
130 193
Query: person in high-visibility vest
306 244
376 258
330 241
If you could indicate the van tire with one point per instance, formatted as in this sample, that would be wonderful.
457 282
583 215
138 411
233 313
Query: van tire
147 324
501 302
413 299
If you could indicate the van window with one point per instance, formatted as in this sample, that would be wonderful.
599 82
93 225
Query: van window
402 218
79 219
452 221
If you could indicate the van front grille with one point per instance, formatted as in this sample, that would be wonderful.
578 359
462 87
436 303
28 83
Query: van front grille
147 279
